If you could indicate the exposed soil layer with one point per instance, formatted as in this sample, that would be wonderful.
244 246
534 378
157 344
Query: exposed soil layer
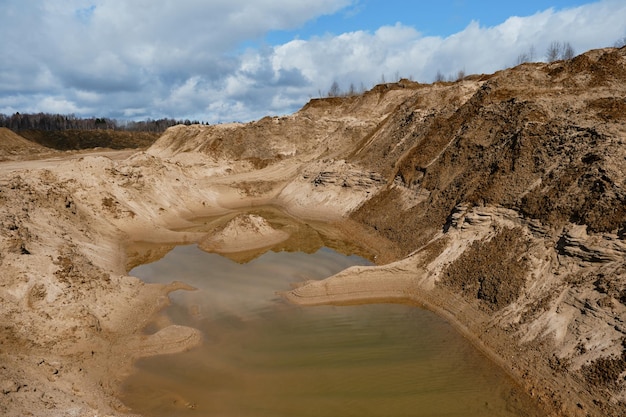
64 140
492 271
498 201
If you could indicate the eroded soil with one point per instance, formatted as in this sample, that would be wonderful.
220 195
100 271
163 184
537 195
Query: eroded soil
498 201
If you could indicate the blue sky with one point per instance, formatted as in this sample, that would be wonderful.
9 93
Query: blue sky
225 60
430 18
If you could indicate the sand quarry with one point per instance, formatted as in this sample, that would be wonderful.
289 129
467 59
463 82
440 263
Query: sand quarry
497 201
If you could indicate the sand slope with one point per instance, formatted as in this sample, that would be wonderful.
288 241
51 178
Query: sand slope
498 202
12 144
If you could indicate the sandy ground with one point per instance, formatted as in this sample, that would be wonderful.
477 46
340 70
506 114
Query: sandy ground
496 201
83 371
73 320
47 161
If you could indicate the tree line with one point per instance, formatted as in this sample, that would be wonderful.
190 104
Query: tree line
556 51
59 122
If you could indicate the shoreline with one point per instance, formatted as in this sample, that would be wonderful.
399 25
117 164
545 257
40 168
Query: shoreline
498 199
444 304
125 338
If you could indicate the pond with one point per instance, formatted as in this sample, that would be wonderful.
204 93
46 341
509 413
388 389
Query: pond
264 357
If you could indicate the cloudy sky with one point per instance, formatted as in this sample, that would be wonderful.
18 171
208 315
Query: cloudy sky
225 60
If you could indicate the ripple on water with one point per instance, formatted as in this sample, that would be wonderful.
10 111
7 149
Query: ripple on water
263 357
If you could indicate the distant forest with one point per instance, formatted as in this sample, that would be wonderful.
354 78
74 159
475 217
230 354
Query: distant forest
60 122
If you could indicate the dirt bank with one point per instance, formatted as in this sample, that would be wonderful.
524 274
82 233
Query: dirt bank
498 201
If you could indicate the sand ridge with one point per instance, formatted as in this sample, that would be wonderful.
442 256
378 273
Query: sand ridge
497 201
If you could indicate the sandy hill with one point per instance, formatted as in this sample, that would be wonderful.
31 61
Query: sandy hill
497 201
13 144
539 150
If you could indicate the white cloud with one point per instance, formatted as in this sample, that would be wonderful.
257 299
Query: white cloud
183 58
57 105
399 50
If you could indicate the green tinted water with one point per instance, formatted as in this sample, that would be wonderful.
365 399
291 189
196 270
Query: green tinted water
263 357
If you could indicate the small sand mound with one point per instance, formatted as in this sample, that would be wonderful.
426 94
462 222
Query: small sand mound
243 233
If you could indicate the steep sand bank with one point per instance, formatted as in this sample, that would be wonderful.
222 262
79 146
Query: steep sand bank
498 201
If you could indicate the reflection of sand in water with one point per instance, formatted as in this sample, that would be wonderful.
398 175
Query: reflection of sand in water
225 287
262 354
244 233
249 333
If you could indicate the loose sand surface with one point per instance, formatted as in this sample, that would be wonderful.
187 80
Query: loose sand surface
497 201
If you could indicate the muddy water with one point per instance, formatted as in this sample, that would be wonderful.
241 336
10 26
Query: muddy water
263 357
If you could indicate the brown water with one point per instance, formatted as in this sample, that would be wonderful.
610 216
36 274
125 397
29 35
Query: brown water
263 357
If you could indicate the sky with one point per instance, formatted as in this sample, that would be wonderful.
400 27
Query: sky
240 60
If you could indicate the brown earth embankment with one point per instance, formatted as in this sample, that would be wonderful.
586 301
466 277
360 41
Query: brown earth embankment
497 201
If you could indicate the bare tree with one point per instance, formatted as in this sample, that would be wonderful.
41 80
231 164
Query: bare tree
568 51
439 77
532 53
59 122
352 90
558 50
334 91
554 51
528 56
620 42
522 58
460 75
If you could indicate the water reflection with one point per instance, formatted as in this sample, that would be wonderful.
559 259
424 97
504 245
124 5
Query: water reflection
263 357
226 287
303 236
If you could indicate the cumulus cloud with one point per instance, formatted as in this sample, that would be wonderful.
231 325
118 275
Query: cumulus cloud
401 51
186 58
